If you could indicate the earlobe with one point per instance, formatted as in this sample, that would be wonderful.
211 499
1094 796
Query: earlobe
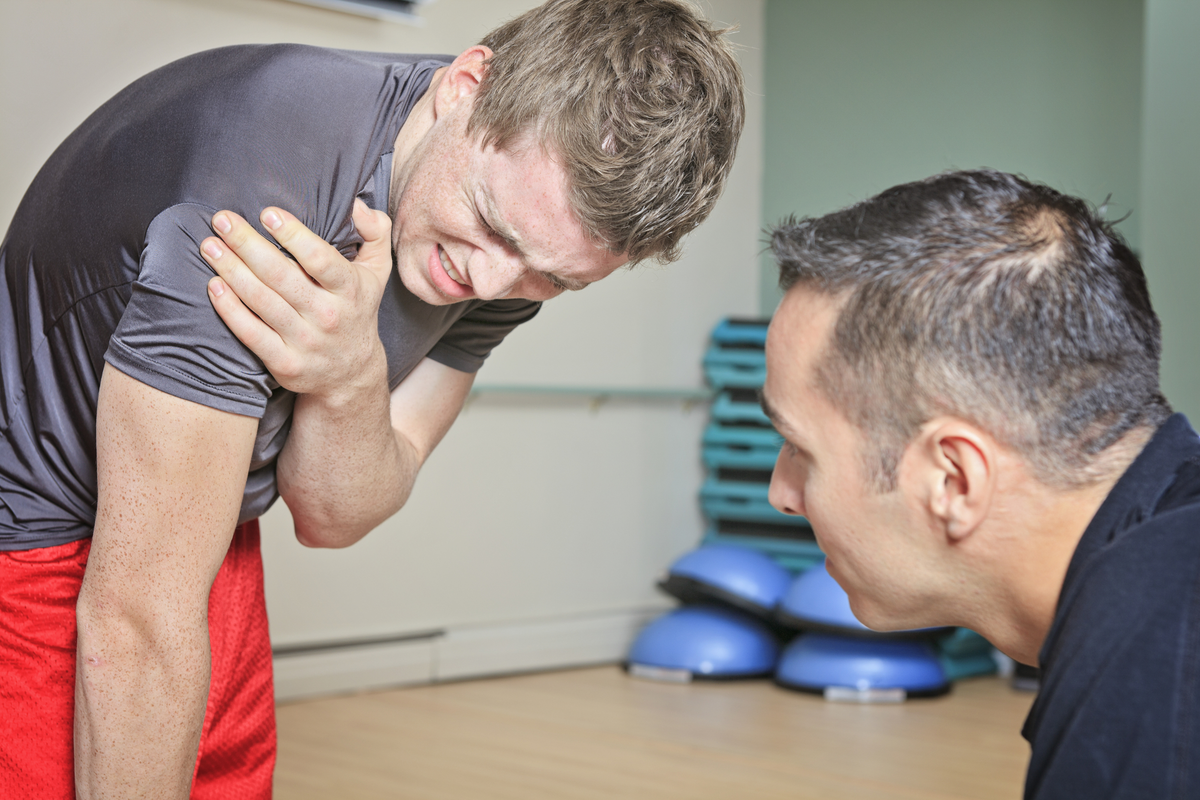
462 78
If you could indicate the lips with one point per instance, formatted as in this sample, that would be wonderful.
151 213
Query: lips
446 279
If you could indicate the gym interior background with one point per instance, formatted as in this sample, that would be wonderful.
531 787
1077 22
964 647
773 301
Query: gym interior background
539 526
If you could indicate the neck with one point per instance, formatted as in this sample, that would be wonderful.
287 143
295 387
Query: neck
1033 537
419 122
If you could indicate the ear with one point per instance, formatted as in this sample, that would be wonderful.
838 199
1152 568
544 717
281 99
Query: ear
961 463
461 79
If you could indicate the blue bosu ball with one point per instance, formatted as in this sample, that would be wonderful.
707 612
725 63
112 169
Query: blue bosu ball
845 668
703 642
736 576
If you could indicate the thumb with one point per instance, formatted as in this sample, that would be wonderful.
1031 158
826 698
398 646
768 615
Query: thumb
376 229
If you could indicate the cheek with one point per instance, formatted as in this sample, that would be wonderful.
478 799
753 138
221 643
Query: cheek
829 508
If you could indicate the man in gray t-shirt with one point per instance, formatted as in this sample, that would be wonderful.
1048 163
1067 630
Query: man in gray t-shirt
150 407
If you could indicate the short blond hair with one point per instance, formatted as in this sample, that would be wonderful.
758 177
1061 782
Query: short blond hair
641 100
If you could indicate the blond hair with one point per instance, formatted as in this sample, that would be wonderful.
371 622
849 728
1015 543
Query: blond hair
640 100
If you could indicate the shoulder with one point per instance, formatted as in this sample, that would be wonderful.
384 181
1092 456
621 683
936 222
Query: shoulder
1184 492
1118 708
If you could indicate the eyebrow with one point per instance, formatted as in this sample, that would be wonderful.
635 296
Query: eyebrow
496 222
773 414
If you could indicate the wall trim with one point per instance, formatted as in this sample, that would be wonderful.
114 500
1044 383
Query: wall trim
474 651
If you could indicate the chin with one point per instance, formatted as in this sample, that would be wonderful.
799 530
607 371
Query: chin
411 278
885 619
877 617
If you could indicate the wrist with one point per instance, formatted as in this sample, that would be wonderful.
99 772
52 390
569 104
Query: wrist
364 386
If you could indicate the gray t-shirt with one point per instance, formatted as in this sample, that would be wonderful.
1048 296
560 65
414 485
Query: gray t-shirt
101 261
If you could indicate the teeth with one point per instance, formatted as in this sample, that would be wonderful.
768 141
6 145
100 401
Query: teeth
450 270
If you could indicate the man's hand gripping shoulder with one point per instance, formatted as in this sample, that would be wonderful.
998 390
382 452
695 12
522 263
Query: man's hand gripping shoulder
354 449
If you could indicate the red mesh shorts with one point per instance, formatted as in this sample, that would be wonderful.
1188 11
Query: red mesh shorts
38 589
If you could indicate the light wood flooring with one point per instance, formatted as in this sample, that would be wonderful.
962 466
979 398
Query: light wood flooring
597 733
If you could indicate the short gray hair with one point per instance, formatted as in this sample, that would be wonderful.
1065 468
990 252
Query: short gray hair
988 297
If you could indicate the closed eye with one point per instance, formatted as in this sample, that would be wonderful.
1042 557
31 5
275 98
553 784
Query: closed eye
563 285
558 283
507 240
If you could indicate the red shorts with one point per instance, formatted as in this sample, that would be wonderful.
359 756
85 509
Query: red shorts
38 590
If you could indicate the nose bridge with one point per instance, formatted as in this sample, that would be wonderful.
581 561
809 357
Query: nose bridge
494 272
786 492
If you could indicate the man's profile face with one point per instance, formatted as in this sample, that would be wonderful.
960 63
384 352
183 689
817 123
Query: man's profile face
872 540
482 223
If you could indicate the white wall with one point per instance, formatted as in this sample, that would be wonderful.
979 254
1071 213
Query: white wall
528 511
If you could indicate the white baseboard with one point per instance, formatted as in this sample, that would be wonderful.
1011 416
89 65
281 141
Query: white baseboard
352 668
468 652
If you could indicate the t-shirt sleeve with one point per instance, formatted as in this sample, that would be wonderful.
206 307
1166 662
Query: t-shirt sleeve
171 338
470 340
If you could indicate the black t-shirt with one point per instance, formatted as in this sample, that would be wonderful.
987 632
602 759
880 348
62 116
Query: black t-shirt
102 263
1118 715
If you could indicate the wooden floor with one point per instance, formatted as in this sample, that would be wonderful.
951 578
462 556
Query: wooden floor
597 733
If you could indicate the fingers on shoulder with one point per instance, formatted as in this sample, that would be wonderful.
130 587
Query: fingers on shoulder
372 225
294 236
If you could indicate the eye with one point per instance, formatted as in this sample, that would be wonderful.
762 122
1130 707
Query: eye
483 223
555 281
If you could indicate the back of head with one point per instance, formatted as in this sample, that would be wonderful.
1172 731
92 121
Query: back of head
991 298
640 99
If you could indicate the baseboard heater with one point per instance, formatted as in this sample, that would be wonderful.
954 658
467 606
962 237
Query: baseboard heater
338 666
308 648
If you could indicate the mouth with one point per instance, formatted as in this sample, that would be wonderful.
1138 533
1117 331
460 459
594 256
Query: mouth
449 267
445 276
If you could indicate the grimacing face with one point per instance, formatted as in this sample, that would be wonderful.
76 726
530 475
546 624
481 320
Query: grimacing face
474 222
878 545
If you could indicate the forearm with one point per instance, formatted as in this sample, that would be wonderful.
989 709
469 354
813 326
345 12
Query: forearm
140 691
344 468
170 475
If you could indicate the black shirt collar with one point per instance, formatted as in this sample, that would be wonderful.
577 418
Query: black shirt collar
1132 499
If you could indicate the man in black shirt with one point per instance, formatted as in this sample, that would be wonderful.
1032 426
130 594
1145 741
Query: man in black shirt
965 372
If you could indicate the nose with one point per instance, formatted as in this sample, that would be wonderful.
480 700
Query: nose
787 486
494 273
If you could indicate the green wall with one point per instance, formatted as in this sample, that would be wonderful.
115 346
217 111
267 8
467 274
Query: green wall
1170 200
864 94
1094 97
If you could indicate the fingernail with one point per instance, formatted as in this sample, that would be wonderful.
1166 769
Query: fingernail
271 220
216 287
222 224
211 250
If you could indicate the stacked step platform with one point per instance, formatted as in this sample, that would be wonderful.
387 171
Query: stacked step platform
740 447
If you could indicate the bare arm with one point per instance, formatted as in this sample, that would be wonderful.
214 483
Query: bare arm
354 451
342 473
171 475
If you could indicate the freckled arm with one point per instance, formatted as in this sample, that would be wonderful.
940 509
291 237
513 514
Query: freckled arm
171 475
347 465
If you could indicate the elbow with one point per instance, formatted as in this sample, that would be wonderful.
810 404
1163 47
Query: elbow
315 540
328 537
115 629
335 529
